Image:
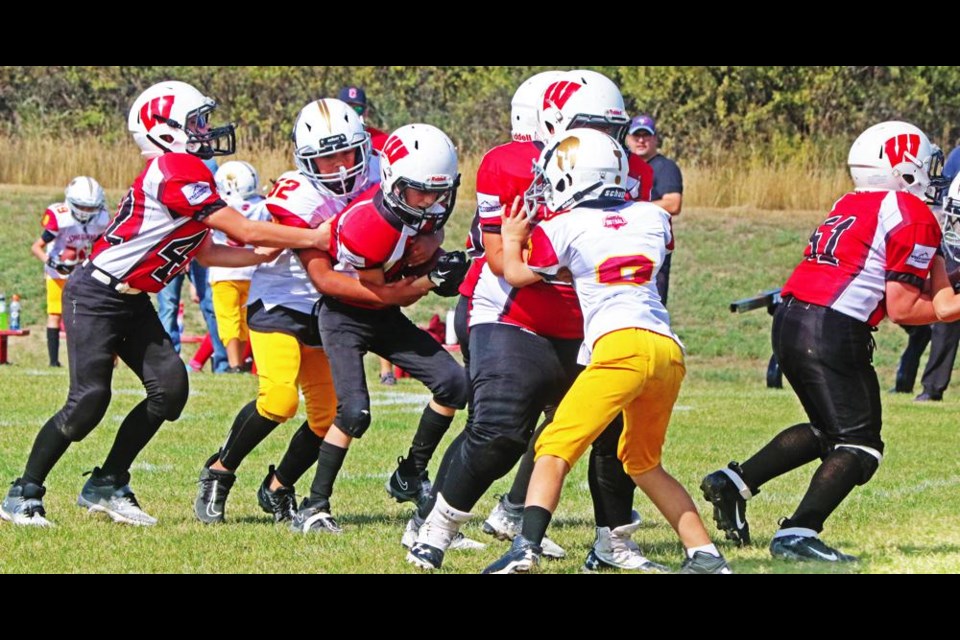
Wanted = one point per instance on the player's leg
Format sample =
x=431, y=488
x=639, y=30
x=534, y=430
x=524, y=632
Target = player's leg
x=54, y=316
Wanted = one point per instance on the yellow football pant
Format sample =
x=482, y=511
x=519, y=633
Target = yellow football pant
x=230, y=307
x=635, y=371
x=283, y=364
x=55, y=296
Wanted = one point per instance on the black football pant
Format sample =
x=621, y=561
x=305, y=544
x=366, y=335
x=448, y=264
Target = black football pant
x=100, y=323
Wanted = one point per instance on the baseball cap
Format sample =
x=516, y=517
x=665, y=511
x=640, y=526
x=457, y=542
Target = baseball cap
x=645, y=123
x=353, y=96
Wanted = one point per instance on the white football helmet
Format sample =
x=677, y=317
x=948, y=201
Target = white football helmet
x=237, y=179
x=420, y=156
x=577, y=166
x=525, y=104
x=85, y=198
x=950, y=220
x=895, y=156
x=173, y=117
x=582, y=99
x=325, y=127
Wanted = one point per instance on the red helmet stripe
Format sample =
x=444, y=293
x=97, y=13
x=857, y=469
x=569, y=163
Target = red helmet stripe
x=394, y=149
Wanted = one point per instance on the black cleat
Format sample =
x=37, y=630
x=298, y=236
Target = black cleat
x=424, y=556
x=281, y=504
x=806, y=548
x=703, y=562
x=212, y=496
x=314, y=518
x=408, y=487
x=522, y=557
x=729, y=507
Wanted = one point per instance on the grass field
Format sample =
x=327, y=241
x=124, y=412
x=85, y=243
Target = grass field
x=906, y=520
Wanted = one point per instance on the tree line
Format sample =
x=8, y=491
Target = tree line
x=704, y=113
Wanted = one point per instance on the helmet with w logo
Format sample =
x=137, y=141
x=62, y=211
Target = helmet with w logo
x=582, y=99
x=895, y=156
x=420, y=157
x=173, y=117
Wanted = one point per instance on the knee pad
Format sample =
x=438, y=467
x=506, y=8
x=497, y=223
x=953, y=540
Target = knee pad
x=868, y=457
x=354, y=420
x=167, y=400
x=492, y=455
x=279, y=402
x=76, y=422
x=455, y=390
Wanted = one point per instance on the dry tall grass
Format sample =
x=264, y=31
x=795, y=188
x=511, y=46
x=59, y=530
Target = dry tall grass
x=787, y=185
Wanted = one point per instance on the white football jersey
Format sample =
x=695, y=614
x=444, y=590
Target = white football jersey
x=614, y=255
x=253, y=209
x=69, y=232
x=294, y=201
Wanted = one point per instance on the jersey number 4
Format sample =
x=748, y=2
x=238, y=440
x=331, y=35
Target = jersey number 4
x=824, y=241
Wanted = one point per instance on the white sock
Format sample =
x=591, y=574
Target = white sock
x=442, y=525
x=710, y=549
x=803, y=532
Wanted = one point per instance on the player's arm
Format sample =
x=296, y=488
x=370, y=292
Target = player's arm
x=907, y=304
x=514, y=233
x=267, y=234
x=319, y=266
x=212, y=254
x=672, y=203
x=423, y=248
x=493, y=247
x=946, y=302
x=39, y=248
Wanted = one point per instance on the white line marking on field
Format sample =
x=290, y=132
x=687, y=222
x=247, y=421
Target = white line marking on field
x=920, y=487
x=146, y=466
x=53, y=371
x=398, y=398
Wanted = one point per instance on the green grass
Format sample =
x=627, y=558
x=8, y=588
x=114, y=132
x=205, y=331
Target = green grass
x=906, y=520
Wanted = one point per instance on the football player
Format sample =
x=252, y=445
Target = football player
x=334, y=165
x=417, y=194
x=239, y=184
x=542, y=327
x=162, y=224
x=69, y=230
x=869, y=258
x=613, y=249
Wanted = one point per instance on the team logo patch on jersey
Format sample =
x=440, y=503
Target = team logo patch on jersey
x=196, y=192
x=488, y=205
x=614, y=221
x=921, y=256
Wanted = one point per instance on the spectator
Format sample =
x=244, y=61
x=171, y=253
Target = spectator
x=643, y=141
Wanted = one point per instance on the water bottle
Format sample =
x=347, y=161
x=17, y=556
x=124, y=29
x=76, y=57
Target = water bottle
x=4, y=318
x=15, y=313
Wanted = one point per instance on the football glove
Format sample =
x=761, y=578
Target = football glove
x=62, y=268
x=448, y=273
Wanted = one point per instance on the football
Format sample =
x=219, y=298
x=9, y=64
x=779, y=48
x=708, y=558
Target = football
x=70, y=256
x=423, y=269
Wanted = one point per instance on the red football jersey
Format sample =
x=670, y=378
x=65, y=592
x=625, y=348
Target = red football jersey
x=546, y=309
x=377, y=138
x=639, y=170
x=869, y=238
x=158, y=227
